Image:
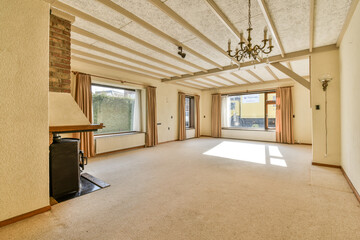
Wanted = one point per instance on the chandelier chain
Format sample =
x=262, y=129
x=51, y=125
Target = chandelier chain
x=249, y=13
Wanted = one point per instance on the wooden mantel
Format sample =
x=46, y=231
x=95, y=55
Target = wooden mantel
x=75, y=128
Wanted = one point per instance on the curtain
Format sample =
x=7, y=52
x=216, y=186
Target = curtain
x=216, y=115
x=284, y=115
x=197, y=120
x=182, y=128
x=137, y=112
x=225, y=113
x=83, y=97
x=151, y=136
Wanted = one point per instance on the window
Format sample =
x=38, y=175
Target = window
x=117, y=108
x=189, y=112
x=249, y=111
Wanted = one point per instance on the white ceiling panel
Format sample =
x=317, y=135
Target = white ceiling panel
x=263, y=73
x=232, y=78
x=152, y=15
x=330, y=16
x=98, y=10
x=243, y=73
x=198, y=83
x=292, y=22
x=110, y=64
x=278, y=73
x=220, y=80
x=140, y=32
x=100, y=54
x=208, y=82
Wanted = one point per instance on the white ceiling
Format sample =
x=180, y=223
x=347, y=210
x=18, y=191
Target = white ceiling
x=291, y=20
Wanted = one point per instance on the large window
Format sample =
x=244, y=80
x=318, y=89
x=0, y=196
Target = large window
x=189, y=112
x=249, y=111
x=117, y=108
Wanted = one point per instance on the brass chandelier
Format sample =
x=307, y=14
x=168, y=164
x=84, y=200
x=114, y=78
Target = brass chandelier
x=243, y=50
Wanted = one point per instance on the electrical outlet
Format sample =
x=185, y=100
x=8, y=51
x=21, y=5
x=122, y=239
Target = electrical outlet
x=168, y=128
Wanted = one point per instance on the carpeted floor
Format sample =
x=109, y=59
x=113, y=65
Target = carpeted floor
x=204, y=189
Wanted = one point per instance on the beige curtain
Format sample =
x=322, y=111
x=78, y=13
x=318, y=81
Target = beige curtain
x=151, y=136
x=216, y=115
x=284, y=116
x=197, y=120
x=182, y=128
x=83, y=98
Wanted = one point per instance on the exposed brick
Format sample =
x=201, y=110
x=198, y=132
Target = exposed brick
x=60, y=55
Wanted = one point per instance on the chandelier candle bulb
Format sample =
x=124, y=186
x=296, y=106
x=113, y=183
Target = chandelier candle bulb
x=229, y=45
x=270, y=41
x=265, y=33
x=241, y=36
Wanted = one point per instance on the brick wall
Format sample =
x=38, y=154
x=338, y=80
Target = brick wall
x=60, y=55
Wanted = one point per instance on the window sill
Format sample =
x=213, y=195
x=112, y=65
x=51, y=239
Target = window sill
x=252, y=130
x=190, y=128
x=116, y=134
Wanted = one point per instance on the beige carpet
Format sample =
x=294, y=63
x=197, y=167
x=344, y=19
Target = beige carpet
x=236, y=190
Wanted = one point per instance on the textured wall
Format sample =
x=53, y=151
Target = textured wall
x=326, y=63
x=60, y=54
x=24, y=80
x=350, y=110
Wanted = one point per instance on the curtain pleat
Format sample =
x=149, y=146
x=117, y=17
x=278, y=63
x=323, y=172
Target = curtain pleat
x=83, y=97
x=182, y=127
x=284, y=116
x=151, y=136
x=197, y=120
x=216, y=115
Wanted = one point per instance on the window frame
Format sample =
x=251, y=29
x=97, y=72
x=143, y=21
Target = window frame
x=191, y=112
x=113, y=133
x=266, y=103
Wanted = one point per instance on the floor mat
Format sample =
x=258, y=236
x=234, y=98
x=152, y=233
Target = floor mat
x=88, y=184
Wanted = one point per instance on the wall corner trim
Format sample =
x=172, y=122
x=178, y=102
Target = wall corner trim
x=24, y=216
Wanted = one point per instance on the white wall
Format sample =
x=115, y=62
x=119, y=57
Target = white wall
x=302, y=112
x=350, y=110
x=116, y=142
x=326, y=63
x=24, y=80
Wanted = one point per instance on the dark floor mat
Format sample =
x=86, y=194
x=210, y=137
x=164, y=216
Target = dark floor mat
x=95, y=180
x=85, y=187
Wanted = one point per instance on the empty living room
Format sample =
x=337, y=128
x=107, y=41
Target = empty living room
x=179, y=119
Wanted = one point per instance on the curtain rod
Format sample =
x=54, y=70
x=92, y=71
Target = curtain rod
x=113, y=79
x=252, y=91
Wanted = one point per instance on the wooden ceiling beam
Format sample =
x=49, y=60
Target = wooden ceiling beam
x=163, y=7
x=278, y=58
x=112, y=67
x=101, y=50
x=291, y=74
x=271, y=25
x=156, y=31
x=240, y=77
x=113, y=29
x=288, y=64
x=197, y=85
x=226, y=79
x=208, y=85
x=214, y=81
x=272, y=73
x=184, y=84
x=255, y=75
x=120, y=64
x=119, y=46
x=223, y=18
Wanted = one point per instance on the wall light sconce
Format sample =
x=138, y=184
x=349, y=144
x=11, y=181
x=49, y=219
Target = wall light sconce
x=324, y=80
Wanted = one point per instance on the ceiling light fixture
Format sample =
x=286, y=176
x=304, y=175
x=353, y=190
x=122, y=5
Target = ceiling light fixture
x=243, y=51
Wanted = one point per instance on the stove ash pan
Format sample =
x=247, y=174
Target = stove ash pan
x=65, y=162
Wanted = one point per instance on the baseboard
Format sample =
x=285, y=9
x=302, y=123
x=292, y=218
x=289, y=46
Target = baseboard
x=325, y=165
x=24, y=216
x=168, y=141
x=351, y=185
x=120, y=150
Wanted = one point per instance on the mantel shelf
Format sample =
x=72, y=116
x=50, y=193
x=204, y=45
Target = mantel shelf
x=75, y=128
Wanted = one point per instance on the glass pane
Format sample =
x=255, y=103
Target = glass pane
x=271, y=97
x=187, y=112
x=114, y=107
x=247, y=111
x=271, y=109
